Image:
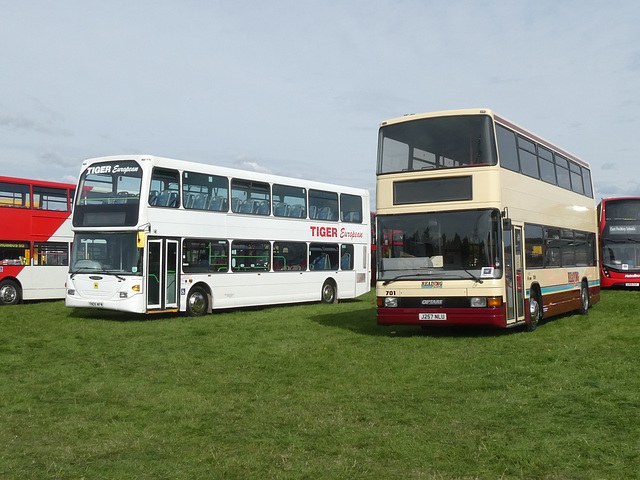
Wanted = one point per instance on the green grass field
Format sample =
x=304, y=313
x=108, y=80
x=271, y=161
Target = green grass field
x=317, y=391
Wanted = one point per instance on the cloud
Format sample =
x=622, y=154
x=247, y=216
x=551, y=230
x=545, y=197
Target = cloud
x=243, y=163
x=69, y=179
x=23, y=123
x=54, y=158
x=610, y=189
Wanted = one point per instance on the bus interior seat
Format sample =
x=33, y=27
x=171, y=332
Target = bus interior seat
x=321, y=262
x=218, y=203
x=247, y=207
x=263, y=208
x=162, y=199
x=352, y=217
x=324, y=213
x=236, y=203
x=281, y=210
x=345, y=264
x=201, y=201
x=297, y=211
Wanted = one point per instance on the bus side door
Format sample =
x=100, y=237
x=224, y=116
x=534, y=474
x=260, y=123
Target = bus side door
x=514, y=287
x=162, y=279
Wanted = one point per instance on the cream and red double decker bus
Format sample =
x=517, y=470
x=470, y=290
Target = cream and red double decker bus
x=35, y=239
x=154, y=235
x=480, y=222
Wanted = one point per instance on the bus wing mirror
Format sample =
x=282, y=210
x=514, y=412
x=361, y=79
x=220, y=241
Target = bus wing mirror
x=506, y=224
x=140, y=239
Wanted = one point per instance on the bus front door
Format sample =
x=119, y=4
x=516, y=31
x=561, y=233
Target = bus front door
x=513, y=276
x=162, y=279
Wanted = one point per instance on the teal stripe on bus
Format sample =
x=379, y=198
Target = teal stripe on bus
x=560, y=288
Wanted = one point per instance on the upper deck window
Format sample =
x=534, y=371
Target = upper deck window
x=48, y=198
x=433, y=143
x=165, y=188
x=14, y=195
x=250, y=197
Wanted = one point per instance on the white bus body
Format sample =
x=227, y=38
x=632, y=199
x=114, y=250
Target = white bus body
x=155, y=234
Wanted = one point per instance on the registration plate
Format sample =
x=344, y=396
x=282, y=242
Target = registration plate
x=632, y=284
x=432, y=316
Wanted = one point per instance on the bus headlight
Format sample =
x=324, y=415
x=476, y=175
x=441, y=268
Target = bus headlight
x=478, y=302
x=71, y=292
x=390, y=302
x=124, y=295
x=481, y=302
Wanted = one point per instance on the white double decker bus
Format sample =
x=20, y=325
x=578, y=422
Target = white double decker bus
x=480, y=221
x=154, y=235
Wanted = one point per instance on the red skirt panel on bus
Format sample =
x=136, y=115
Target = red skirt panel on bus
x=454, y=316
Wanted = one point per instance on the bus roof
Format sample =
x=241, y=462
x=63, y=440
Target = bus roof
x=225, y=171
x=495, y=116
x=27, y=181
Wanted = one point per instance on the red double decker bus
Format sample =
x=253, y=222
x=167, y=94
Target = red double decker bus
x=619, y=228
x=35, y=239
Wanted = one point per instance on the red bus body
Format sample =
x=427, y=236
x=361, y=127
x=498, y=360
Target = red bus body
x=619, y=230
x=35, y=238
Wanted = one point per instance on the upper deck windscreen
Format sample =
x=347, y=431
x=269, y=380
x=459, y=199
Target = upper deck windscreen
x=626, y=210
x=108, y=195
x=439, y=142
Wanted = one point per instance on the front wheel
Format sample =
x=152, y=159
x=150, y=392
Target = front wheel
x=329, y=292
x=584, y=299
x=535, y=313
x=197, y=302
x=10, y=293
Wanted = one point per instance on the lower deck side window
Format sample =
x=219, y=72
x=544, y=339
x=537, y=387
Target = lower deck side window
x=201, y=255
x=51, y=253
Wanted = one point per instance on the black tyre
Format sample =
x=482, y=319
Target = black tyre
x=329, y=292
x=197, y=302
x=585, y=301
x=535, y=312
x=10, y=293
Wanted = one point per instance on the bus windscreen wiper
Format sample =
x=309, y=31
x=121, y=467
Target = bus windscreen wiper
x=477, y=279
x=114, y=273
x=406, y=275
x=80, y=270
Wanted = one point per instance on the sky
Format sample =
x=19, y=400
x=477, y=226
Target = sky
x=299, y=88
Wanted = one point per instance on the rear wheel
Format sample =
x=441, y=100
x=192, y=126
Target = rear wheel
x=10, y=293
x=329, y=292
x=584, y=299
x=197, y=302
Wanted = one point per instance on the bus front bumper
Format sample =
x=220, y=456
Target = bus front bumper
x=490, y=316
x=132, y=305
